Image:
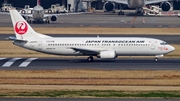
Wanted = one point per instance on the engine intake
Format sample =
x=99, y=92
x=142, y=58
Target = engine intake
x=108, y=54
x=53, y=18
x=166, y=6
x=109, y=6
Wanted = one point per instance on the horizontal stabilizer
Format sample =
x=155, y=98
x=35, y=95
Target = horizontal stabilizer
x=15, y=39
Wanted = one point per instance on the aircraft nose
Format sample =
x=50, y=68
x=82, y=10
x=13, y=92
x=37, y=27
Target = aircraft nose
x=171, y=48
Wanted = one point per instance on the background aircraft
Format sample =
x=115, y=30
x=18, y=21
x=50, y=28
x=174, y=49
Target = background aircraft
x=38, y=15
x=137, y=4
x=100, y=47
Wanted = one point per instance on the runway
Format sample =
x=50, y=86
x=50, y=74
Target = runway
x=84, y=99
x=171, y=39
x=96, y=20
x=103, y=20
x=81, y=63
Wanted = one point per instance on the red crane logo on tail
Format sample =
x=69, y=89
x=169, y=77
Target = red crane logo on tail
x=21, y=27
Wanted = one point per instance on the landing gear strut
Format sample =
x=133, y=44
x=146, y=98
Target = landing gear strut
x=46, y=21
x=120, y=12
x=90, y=59
x=139, y=11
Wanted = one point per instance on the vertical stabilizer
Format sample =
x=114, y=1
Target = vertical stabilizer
x=21, y=28
x=38, y=2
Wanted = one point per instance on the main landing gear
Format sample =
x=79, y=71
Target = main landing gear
x=90, y=59
x=121, y=10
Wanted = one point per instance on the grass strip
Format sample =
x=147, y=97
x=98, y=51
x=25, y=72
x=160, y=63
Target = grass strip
x=90, y=77
x=98, y=30
x=94, y=94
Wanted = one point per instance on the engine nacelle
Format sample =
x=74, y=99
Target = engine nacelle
x=108, y=54
x=23, y=12
x=54, y=18
x=166, y=6
x=109, y=6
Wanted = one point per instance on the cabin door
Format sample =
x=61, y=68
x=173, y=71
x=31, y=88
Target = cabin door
x=39, y=45
x=153, y=46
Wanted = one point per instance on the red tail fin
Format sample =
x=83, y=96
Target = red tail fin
x=38, y=2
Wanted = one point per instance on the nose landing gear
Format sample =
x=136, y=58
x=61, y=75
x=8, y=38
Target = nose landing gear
x=157, y=56
x=156, y=59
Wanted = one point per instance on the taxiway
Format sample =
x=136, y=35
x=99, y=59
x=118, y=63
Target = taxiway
x=103, y=20
x=81, y=63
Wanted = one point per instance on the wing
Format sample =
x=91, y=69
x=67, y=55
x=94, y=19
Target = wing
x=153, y=1
x=119, y=1
x=5, y=13
x=15, y=39
x=27, y=15
x=85, y=51
x=49, y=15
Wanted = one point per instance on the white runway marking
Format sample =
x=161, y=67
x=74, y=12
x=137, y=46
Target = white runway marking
x=2, y=59
x=27, y=62
x=10, y=62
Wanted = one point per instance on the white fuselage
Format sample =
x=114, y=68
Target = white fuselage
x=38, y=13
x=136, y=3
x=123, y=46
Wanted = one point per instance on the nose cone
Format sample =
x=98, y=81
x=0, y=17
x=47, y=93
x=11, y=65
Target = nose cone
x=171, y=48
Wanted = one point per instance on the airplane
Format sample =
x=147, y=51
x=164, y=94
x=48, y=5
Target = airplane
x=38, y=15
x=109, y=5
x=100, y=47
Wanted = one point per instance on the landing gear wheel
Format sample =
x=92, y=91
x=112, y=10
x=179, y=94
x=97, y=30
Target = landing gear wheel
x=156, y=59
x=90, y=59
x=48, y=22
x=45, y=22
x=121, y=13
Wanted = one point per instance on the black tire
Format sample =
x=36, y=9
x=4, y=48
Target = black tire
x=156, y=59
x=23, y=12
x=90, y=59
x=48, y=22
x=120, y=13
x=50, y=11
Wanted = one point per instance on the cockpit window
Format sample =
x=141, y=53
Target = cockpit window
x=163, y=43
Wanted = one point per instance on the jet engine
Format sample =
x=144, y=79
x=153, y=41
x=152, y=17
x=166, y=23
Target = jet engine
x=108, y=54
x=166, y=6
x=54, y=18
x=109, y=6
